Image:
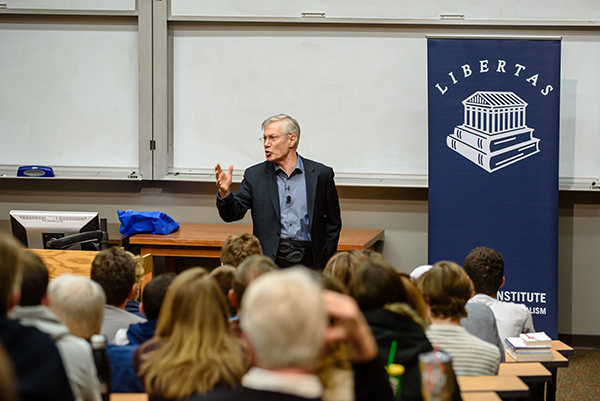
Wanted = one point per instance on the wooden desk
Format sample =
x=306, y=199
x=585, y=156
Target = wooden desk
x=129, y=397
x=534, y=374
x=564, y=349
x=504, y=386
x=557, y=361
x=480, y=396
x=205, y=240
x=61, y=262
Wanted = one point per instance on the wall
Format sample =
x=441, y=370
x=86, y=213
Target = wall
x=401, y=212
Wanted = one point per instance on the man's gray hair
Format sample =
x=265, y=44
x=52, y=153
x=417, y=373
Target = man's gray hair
x=79, y=302
x=284, y=316
x=289, y=126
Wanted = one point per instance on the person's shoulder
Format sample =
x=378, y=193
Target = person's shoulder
x=310, y=164
x=12, y=331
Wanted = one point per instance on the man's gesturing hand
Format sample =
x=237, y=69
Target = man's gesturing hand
x=223, y=179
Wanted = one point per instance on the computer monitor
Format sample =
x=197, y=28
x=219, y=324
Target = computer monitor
x=35, y=228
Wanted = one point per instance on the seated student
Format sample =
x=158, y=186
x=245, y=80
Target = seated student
x=124, y=378
x=485, y=267
x=152, y=300
x=114, y=270
x=250, y=269
x=33, y=311
x=288, y=320
x=36, y=361
x=480, y=320
x=79, y=302
x=193, y=350
x=238, y=247
x=343, y=264
x=391, y=312
x=446, y=289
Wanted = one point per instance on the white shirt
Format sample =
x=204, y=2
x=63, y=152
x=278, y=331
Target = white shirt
x=301, y=385
x=512, y=319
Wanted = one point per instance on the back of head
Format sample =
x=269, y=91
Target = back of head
x=446, y=289
x=79, y=302
x=196, y=349
x=250, y=269
x=238, y=247
x=342, y=265
x=375, y=284
x=139, y=275
x=10, y=266
x=284, y=316
x=485, y=267
x=154, y=294
x=34, y=279
x=114, y=270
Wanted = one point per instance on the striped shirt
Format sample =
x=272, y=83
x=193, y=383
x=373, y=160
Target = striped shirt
x=471, y=356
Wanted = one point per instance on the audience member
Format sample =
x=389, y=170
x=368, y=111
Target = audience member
x=114, y=270
x=224, y=275
x=480, y=320
x=485, y=267
x=238, y=247
x=124, y=378
x=37, y=363
x=133, y=304
x=33, y=310
x=343, y=264
x=253, y=267
x=193, y=350
x=285, y=317
x=79, y=302
x=391, y=311
x=446, y=289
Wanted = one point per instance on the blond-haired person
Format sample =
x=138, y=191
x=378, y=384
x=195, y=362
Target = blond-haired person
x=193, y=350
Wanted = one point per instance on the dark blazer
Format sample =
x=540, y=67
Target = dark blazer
x=258, y=192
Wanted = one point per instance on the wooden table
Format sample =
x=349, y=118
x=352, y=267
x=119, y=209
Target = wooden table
x=564, y=349
x=129, y=397
x=534, y=374
x=205, y=240
x=59, y=261
x=506, y=387
x=480, y=396
x=557, y=361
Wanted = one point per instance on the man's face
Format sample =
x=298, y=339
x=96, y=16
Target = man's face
x=277, y=145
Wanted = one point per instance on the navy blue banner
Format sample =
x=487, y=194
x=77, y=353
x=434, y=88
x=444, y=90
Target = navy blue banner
x=493, y=162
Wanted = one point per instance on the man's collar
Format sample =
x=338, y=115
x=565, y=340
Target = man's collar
x=301, y=385
x=299, y=166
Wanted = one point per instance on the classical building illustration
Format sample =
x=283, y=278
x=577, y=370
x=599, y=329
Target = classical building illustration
x=495, y=132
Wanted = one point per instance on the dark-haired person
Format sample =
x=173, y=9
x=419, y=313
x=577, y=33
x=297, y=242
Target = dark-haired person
x=33, y=310
x=37, y=363
x=391, y=311
x=124, y=378
x=446, y=289
x=114, y=270
x=485, y=267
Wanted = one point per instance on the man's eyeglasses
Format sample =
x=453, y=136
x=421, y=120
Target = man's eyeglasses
x=271, y=138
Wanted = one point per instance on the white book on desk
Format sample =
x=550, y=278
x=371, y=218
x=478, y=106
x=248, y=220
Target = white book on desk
x=536, y=339
x=535, y=356
x=518, y=345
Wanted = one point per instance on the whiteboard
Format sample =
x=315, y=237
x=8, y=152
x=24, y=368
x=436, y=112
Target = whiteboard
x=358, y=96
x=405, y=9
x=69, y=95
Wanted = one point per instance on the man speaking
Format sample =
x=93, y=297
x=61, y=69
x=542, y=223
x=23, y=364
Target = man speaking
x=294, y=202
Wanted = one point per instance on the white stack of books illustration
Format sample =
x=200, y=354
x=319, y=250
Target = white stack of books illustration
x=494, y=134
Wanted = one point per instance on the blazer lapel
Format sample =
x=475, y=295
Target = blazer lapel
x=272, y=188
x=311, y=188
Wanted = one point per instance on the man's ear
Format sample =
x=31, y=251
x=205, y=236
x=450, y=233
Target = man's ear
x=142, y=310
x=503, y=280
x=45, y=300
x=14, y=298
x=232, y=300
x=130, y=296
